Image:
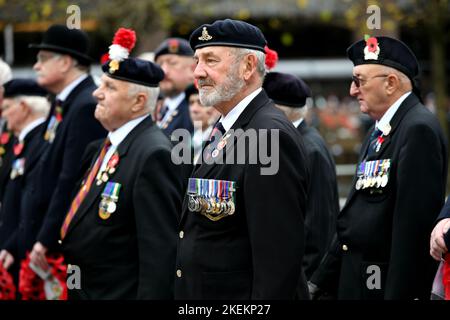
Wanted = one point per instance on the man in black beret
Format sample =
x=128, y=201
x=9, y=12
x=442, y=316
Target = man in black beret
x=121, y=227
x=62, y=68
x=25, y=107
x=289, y=93
x=241, y=234
x=381, y=247
x=174, y=56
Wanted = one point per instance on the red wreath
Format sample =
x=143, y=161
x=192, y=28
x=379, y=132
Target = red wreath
x=125, y=38
x=31, y=286
x=446, y=276
x=7, y=287
x=271, y=58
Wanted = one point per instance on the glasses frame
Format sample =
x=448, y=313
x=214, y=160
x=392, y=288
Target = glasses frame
x=361, y=82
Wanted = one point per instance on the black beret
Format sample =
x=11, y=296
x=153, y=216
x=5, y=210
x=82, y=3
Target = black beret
x=60, y=39
x=229, y=33
x=385, y=51
x=135, y=70
x=286, y=89
x=23, y=87
x=190, y=90
x=176, y=46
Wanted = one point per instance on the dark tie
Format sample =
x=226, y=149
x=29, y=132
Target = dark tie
x=373, y=142
x=163, y=112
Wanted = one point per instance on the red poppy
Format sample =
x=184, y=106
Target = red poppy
x=18, y=149
x=4, y=138
x=112, y=163
x=271, y=58
x=372, y=44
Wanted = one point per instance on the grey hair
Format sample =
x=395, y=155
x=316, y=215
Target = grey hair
x=404, y=80
x=151, y=92
x=294, y=114
x=5, y=72
x=260, y=56
x=40, y=106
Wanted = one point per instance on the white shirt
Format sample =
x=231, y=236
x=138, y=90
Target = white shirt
x=30, y=127
x=68, y=89
x=296, y=123
x=198, y=138
x=234, y=114
x=389, y=114
x=172, y=105
x=117, y=136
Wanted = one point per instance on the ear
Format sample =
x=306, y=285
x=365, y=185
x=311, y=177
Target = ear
x=67, y=63
x=25, y=110
x=392, y=83
x=139, y=102
x=250, y=62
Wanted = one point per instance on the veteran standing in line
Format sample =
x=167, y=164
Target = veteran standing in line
x=241, y=234
x=289, y=93
x=381, y=247
x=120, y=229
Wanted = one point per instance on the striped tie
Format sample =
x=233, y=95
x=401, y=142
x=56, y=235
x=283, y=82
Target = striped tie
x=84, y=188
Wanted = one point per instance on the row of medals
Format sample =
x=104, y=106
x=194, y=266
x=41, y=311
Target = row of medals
x=209, y=207
x=365, y=182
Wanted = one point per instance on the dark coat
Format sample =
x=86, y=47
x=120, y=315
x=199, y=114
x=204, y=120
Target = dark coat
x=5, y=163
x=256, y=253
x=385, y=232
x=48, y=198
x=130, y=255
x=323, y=198
x=180, y=119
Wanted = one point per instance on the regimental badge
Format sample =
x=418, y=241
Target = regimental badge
x=173, y=45
x=53, y=124
x=371, y=50
x=110, y=197
x=17, y=168
x=113, y=66
x=373, y=174
x=205, y=36
x=214, y=199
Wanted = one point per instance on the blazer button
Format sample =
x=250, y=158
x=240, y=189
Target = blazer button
x=344, y=247
x=179, y=273
x=181, y=234
x=59, y=241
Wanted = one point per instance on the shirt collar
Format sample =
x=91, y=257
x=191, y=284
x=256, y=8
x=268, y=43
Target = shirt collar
x=117, y=136
x=296, y=123
x=68, y=89
x=389, y=114
x=229, y=120
x=28, y=128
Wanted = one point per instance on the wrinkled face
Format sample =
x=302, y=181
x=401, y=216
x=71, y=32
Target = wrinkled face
x=371, y=93
x=113, y=103
x=218, y=75
x=178, y=73
x=48, y=69
x=15, y=114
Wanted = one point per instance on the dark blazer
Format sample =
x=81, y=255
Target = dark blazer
x=385, y=232
x=323, y=199
x=5, y=163
x=10, y=209
x=48, y=198
x=181, y=119
x=256, y=253
x=130, y=255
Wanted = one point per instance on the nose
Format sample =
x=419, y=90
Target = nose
x=354, y=90
x=37, y=66
x=199, y=71
x=97, y=94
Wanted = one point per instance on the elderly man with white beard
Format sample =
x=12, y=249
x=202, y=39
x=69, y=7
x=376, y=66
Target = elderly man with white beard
x=241, y=234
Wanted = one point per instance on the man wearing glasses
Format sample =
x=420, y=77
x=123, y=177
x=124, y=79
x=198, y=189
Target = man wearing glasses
x=381, y=249
x=62, y=68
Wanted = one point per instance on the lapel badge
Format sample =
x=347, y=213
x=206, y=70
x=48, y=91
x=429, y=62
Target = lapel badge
x=110, y=196
x=371, y=50
x=205, y=36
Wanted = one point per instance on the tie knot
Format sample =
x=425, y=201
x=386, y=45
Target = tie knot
x=107, y=143
x=218, y=128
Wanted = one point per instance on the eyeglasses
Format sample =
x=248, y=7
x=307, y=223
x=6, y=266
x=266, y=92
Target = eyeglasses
x=43, y=57
x=361, y=82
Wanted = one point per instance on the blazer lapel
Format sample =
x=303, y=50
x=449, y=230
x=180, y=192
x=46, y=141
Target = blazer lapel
x=96, y=190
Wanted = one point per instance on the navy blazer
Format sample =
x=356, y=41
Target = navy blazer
x=48, y=198
x=179, y=119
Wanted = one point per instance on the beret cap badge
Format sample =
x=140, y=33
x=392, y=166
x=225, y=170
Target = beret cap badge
x=371, y=50
x=205, y=35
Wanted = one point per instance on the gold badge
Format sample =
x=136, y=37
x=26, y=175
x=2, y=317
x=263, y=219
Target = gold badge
x=205, y=36
x=113, y=66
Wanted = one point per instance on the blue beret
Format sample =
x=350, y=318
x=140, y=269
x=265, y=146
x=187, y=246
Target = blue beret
x=229, y=33
x=176, y=46
x=385, y=51
x=286, y=89
x=137, y=71
x=23, y=87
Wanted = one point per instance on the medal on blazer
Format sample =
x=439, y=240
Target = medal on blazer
x=213, y=199
x=53, y=124
x=373, y=174
x=104, y=176
x=17, y=168
x=110, y=196
x=222, y=143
